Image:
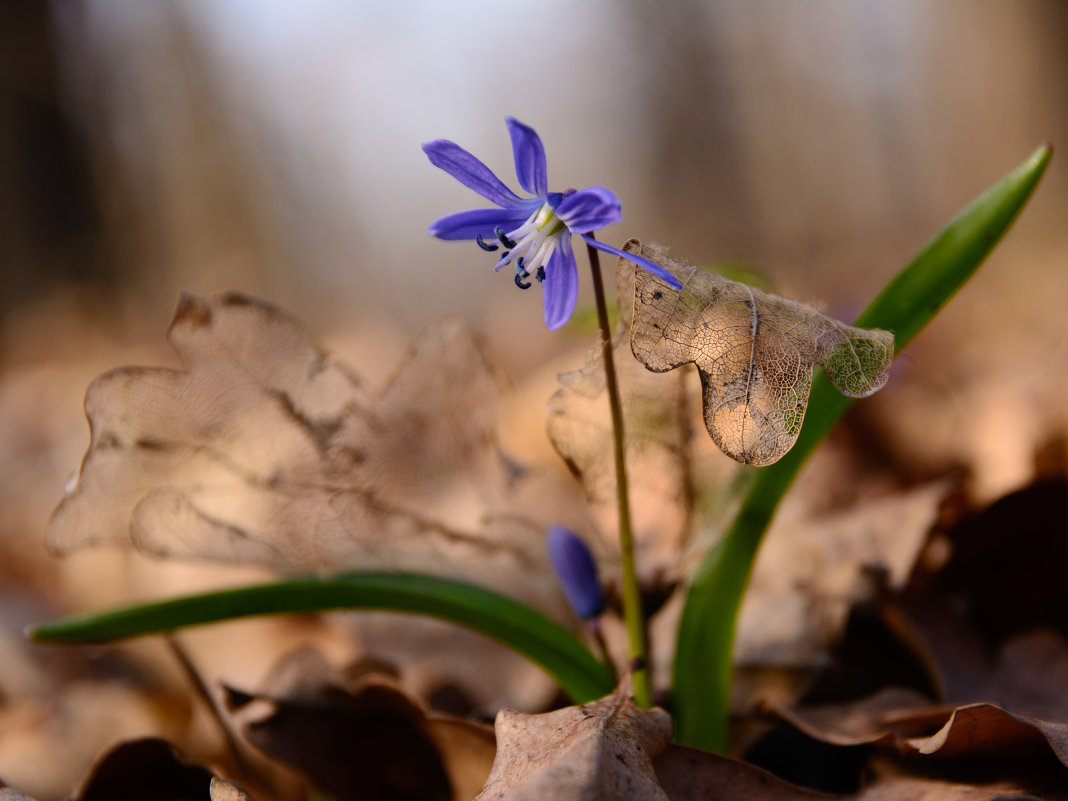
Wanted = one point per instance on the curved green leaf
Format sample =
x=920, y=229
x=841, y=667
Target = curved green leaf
x=704, y=652
x=519, y=627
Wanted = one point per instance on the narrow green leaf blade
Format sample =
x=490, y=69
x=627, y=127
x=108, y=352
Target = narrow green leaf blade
x=515, y=625
x=704, y=652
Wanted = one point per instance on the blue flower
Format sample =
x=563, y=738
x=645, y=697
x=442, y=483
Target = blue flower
x=576, y=571
x=535, y=232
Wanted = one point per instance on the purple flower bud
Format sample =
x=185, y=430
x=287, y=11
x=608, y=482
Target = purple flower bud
x=576, y=571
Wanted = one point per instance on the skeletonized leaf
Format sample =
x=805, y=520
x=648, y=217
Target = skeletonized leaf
x=755, y=353
x=264, y=450
x=599, y=750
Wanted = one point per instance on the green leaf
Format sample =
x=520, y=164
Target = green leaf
x=519, y=627
x=704, y=652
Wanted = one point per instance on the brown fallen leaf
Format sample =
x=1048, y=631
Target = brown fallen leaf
x=50, y=734
x=985, y=729
x=360, y=735
x=599, y=750
x=1030, y=675
x=985, y=587
x=264, y=450
x=893, y=780
x=976, y=742
x=467, y=749
x=755, y=353
x=812, y=572
x=1006, y=562
x=148, y=770
x=861, y=722
x=688, y=774
x=223, y=790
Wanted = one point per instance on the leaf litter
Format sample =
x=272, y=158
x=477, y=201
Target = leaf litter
x=994, y=710
x=603, y=749
x=264, y=450
x=356, y=733
x=889, y=776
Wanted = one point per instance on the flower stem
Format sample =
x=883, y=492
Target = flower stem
x=632, y=601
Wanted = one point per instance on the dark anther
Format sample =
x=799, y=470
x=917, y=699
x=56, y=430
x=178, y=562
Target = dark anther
x=487, y=246
x=540, y=274
x=521, y=274
x=503, y=238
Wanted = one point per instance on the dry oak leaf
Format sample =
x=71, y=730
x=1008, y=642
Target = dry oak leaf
x=1024, y=751
x=755, y=353
x=223, y=790
x=600, y=750
x=150, y=769
x=357, y=734
x=688, y=774
x=986, y=729
x=264, y=450
x=865, y=721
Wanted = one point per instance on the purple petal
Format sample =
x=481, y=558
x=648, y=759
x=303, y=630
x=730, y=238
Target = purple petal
x=469, y=224
x=651, y=266
x=469, y=171
x=577, y=572
x=530, y=166
x=560, y=286
x=589, y=209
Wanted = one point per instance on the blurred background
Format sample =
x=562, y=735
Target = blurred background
x=273, y=148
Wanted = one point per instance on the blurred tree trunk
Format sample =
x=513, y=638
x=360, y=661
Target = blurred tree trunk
x=50, y=220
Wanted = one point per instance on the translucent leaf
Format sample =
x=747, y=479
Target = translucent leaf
x=264, y=450
x=656, y=414
x=755, y=353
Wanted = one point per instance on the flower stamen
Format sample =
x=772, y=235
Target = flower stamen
x=489, y=247
x=502, y=237
x=532, y=244
x=521, y=275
